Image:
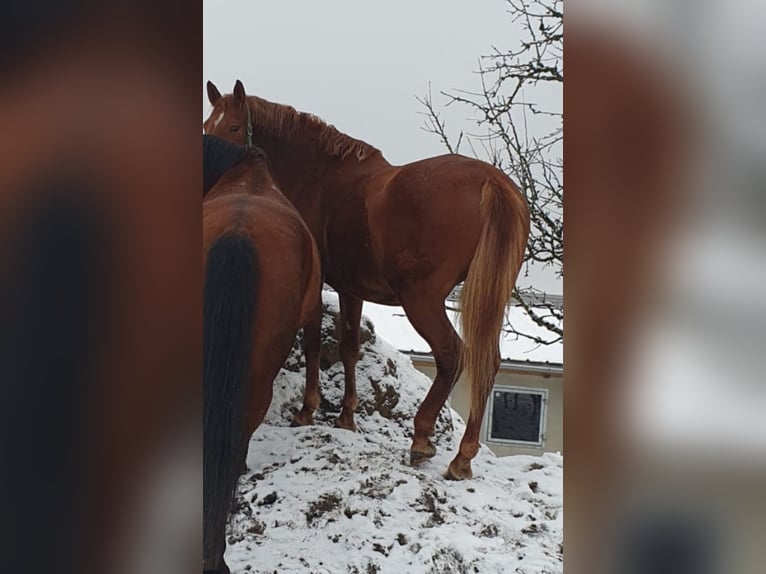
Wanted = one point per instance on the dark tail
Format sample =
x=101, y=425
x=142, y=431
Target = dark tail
x=231, y=282
x=51, y=285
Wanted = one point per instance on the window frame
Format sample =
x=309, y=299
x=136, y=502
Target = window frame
x=543, y=415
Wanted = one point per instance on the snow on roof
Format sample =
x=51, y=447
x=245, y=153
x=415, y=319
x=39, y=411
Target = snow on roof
x=391, y=324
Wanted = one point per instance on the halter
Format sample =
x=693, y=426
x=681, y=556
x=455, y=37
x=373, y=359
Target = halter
x=249, y=129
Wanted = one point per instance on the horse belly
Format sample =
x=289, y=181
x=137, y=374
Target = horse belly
x=351, y=262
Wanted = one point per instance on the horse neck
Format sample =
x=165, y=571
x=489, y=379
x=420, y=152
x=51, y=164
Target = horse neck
x=302, y=169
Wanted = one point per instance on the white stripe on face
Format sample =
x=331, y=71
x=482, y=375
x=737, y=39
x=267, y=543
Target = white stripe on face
x=218, y=120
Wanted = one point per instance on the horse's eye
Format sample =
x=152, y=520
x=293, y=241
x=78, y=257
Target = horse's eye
x=234, y=129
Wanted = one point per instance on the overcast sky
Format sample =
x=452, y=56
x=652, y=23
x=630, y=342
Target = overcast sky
x=358, y=65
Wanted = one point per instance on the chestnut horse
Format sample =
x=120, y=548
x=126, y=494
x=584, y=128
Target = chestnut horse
x=397, y=235
x=262, y=284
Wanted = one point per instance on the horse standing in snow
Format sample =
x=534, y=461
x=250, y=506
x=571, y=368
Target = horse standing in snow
x=396, y=235
x=262, y=284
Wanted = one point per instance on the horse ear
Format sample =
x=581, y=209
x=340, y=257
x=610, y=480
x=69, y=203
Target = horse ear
x=212, y=93
x=239, y=92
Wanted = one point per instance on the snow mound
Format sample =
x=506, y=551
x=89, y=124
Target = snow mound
x=325, y=500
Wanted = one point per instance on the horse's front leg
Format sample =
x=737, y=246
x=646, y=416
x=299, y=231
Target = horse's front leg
x=311, y=347
x=350, y=317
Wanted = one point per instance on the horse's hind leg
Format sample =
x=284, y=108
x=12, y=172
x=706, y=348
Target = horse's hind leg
x=430, y=320
x=311, y=347
x=350, y=317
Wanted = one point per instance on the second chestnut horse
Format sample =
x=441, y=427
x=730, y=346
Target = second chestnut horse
x=262, y=284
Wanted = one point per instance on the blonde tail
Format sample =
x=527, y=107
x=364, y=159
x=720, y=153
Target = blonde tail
x=489, y=285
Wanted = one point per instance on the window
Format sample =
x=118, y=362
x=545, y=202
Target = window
x=517, y=415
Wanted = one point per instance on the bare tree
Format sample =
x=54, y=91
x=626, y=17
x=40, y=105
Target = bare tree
x=522, y=137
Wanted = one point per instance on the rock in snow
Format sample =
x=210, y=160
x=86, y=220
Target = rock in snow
x=325, y=500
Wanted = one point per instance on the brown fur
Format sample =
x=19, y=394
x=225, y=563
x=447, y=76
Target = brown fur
x=399, y=235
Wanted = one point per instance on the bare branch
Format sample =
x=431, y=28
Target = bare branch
x=519, y=136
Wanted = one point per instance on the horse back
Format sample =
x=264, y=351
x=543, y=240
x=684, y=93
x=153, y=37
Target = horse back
x=413, y=224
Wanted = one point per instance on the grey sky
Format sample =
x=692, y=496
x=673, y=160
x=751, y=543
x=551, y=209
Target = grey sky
x=358, y=65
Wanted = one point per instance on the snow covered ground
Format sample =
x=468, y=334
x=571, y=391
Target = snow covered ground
x=325, y=500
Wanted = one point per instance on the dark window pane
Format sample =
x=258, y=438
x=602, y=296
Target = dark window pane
x=516, y=416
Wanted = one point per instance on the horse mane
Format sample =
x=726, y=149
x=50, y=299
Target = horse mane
x=285, y=121
x=218, y=157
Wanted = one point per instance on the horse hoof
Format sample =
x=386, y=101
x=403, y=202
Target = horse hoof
x=417, y=458
x=301, y=420
x=348, y=425
x=459, y=471
x=421, y=454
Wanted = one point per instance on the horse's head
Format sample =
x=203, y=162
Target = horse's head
x=231, y=117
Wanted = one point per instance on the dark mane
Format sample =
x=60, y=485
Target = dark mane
x=218, y=157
